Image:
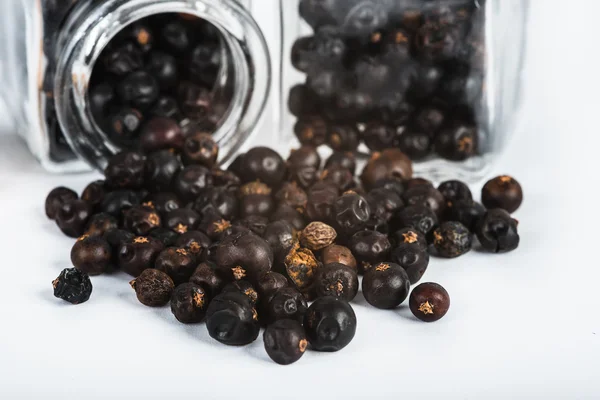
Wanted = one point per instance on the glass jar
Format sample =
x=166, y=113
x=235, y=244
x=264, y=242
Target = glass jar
x=51, y=51
x=438, y=79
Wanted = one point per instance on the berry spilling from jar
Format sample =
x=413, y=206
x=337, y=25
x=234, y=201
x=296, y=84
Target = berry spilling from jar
x=390, y=74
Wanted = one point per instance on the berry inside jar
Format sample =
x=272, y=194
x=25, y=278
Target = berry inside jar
x=156, y=83
x=380, y=74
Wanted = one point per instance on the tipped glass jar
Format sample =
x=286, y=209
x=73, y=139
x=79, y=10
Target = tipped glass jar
x=438, y=79
x=82, y=79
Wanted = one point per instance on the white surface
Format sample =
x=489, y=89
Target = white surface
x=521, y=325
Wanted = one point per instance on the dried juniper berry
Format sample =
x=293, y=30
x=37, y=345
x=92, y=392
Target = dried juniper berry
x=437, y=42
x=195, y=242
x=414, y=182
x=352, y=212
x=344, y=159
x=153, y=288
x=166, y=236
x=92, y=255
x=286, y=303
x=497, y=231
x=101, y=97
x=336, y=280
x=369, y=248
x=454, y=191
x=303, y=165
x=166, y=107
x=243, y=255
x=409, y=235
x=338, y=254
x=116, y=202
x=269, y=284
x=160, y=170
x=390, y=163
x=415, y=144
x=163, y=67
x=394, y=184
x=317, y=235
x=254, y=223
x=502, y=192
x=101, y=223
x=263, y=164
x=285, y=341
x=343, y=137
x=161, y=133
x=189, y=303
x=115, y=238
x=386, y=285
x=321, y=202
x=141, y=220
x=176, y=262
x=339, y=177
x=163, y=202
x=181, y=220
x=419, y=217
x=225, y=179
x=139, y=88
x=424, y=195
x=280, y=235
x=429, y=119
x=219, y=199
x=200, y=148
x=123, y=59
x=192, y=181
x=72, y=217
x=124, y=125
x=413, y=258
x=205, y=276
x=378, y=136
x=231, y=319
x=256, y=199
x=72, y=285
x=451, y=239
x=138, y=254
x=330, y=324
x=301, y=266
x=56, y=198
x=457, y=142
x=291, y=215
x=384, y=203
x=175, y=35
x=429, y=302
x=467, y=212
x=94, y=194
x=125, y=170
x=292, y=195
x=301, y=101
x=243, y=287
x=312, y=130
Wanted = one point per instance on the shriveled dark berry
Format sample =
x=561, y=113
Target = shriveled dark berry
x=175, y=36
x=497, y=231
x=101, y=96
x=163, y=202
x=378, y=136
x=139, y=254
x=429, y=119
x=280, y=235
x=413, y=258
x=386, y=285
x=166, y=236
x=343, y=137
x=243, y=255
x=394, y=184
x=200, y=148
x=285, y=341
x=384, y=203
x=414, y=182
x=153, y=288
x=301, y=265
x=330, y=324
x=125, y=170
x=225, y=179
x=344, y=159
x=94, y=194
x=415, y=144
x=189, y=303
x=352, y=212
x=457, y=143
x=269, y=284
x=92, y=255
x=123, y=59
x=181, y=220
x=196, y=101
x=291, y=215
x=176, y=262
x=206, y=277
x=317, y=235
x=56, y=198
x=255, y=223
x=256, y=199
x=369, y=248
x=336, y=280
x=161, y=133
x=72, y=285
x=437, y=42
x=231, y=319
x=72, y=217
x=467, y=212
x=301, y=101
x=321, y=201
x=101, y=223
x=286, y=303
x=141, y=220
x=339, y=177
x=452, y=239
x=419, y=217
x=263, y=164
x=221, y=200
x=166, y=107
x=424, y=195
x=303, y=166
x=163, y=67
x=124, y=125
x=192, y=181
x=160, y=170
x=409, y=235
x=502, y=192
x=429, y=302
x=243, y=287
x=390, y=163
x=292, y=195
x=454, y=191
x=338, y=254
x=139, y=89
x=115, y=238
x=195, y=241
x=312, y=130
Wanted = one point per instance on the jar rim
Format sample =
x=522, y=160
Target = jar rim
x=91, y=27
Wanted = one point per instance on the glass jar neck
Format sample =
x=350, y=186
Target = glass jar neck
x=91, y=26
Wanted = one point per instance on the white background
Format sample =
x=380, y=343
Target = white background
x=521, y=325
